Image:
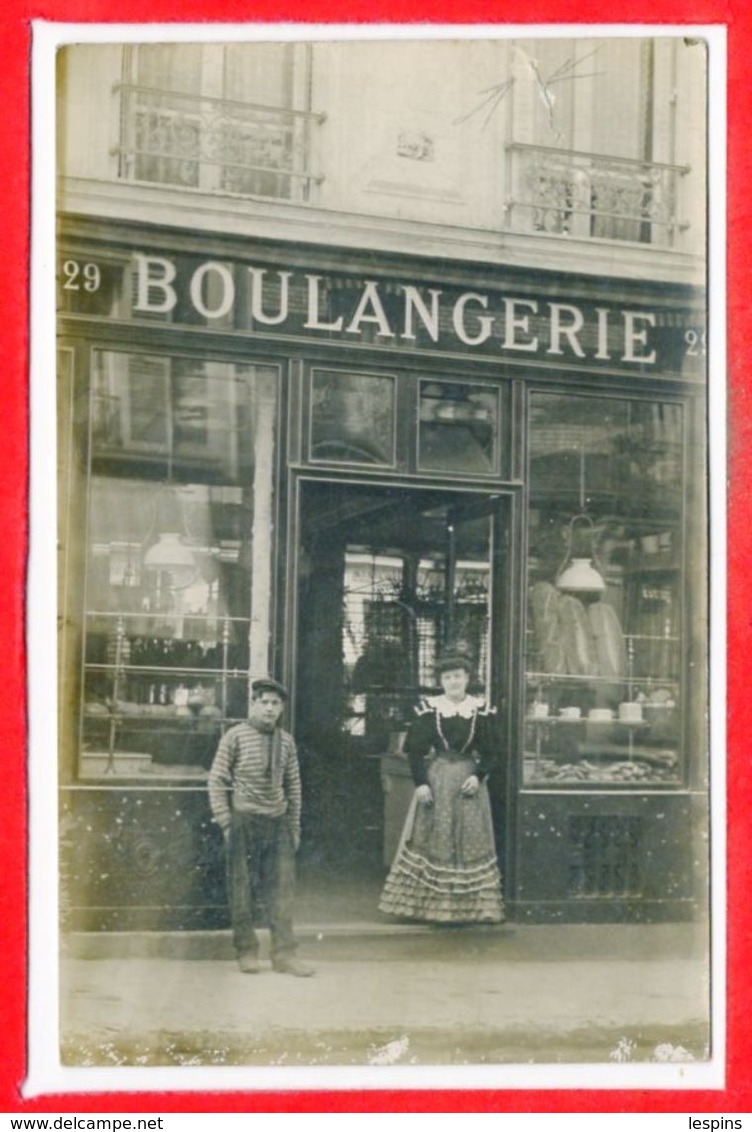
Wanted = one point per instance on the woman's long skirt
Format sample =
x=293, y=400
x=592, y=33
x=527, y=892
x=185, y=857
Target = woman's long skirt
x=446, y=870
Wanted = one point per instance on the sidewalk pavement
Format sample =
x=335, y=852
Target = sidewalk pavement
x=391, y=995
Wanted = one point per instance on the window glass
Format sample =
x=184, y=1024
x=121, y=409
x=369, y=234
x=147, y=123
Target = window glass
x=166, y=130
x=604, y=630
x=352, y=417
x=172, y=416
x=214, y=117
x=622, y=125
x=260, y=73
x=537, y=64
x=180, y=470
x=583, y=159
x=459, y=428
x=551, y=74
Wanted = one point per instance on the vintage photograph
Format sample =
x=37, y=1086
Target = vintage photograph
x=382, y=504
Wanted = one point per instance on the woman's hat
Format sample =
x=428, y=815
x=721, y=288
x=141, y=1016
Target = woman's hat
x=455, y=657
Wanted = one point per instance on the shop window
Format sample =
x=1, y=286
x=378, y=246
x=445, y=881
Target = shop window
x=227, y=118
x=177, y=563
x=458, y=428
x=604, y=652
x=591, y=149
x=352, y=418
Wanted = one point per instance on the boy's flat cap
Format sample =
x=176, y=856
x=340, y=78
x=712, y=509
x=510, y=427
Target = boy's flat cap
x=268, y=684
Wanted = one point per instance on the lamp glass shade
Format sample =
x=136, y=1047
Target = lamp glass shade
x=580, y=576
x=170, y=554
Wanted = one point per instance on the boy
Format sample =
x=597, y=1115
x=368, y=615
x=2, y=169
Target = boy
x=255, y=797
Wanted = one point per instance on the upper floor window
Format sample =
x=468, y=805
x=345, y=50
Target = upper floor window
x=229, y=118
x=592, y=147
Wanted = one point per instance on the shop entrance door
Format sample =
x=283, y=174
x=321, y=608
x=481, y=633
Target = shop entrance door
x=386, y=577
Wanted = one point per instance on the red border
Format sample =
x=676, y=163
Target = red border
x=15, y=159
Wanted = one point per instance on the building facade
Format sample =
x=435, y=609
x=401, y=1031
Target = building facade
x=365, y=347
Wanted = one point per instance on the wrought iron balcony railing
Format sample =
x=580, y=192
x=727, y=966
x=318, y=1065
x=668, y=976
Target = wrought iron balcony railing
x=218, y=145
x=588, y=195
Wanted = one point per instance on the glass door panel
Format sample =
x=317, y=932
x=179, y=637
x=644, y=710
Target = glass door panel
x=388, y=576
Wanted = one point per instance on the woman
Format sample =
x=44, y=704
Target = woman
x=445, y=870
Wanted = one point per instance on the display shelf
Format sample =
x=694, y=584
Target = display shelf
x=533, y=677
x=164, y=617
x=659, y=566
x=168, y=716
x=190, y=689
x=138, y=766
x=656, y=637
x=583, y=719
x=621, y=774
x=166, y=670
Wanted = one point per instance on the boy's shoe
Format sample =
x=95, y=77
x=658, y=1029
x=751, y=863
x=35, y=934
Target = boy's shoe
x=248, y=962
x=293, y=967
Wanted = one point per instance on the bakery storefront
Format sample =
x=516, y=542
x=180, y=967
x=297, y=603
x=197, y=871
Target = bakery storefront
x=326, y=465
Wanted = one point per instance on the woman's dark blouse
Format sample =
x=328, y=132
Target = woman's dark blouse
x=423, y=739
